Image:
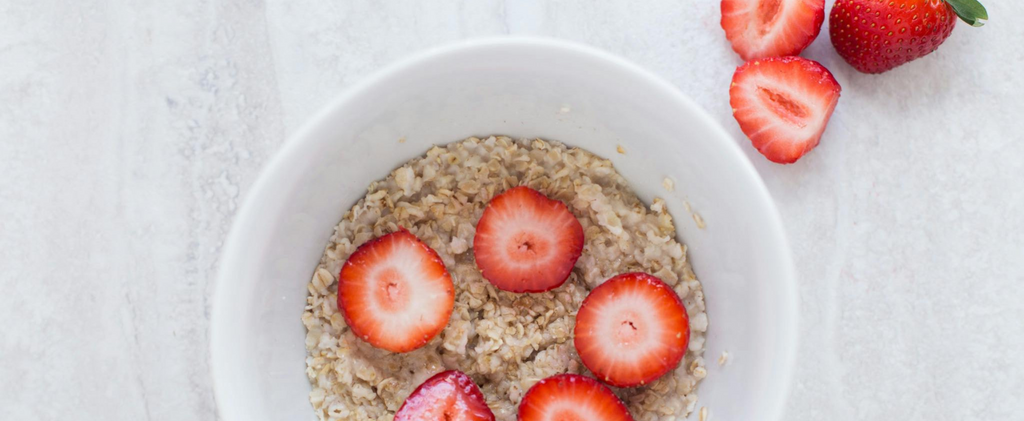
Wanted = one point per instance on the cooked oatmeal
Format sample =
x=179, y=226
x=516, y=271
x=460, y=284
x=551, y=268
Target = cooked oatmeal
x=505, y=341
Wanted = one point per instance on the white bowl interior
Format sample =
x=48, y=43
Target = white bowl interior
x=521, y=88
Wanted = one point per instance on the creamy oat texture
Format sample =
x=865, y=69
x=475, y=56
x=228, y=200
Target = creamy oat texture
x=506, y=342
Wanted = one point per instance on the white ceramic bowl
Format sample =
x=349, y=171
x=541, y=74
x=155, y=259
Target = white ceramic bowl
x=521, y=88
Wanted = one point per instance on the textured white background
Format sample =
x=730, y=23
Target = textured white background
x=130, y=131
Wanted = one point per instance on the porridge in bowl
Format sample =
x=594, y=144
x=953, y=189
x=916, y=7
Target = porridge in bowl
x=504, y=342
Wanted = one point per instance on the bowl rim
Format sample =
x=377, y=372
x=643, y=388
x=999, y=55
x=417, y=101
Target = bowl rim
x=233, y=254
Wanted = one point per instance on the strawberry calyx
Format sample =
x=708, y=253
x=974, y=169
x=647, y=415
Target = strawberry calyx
x=970, y=11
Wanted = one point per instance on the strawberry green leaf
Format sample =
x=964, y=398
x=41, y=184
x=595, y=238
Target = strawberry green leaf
x=970, y=11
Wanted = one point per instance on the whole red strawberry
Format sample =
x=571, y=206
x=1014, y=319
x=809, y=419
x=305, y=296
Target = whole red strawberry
x=875, y=36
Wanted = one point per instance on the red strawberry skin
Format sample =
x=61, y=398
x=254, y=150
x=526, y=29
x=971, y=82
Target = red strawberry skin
x=875, y=36
x=447, y=396
x=395, y=292
x=770, y=28
x=783, y=105
x=526, y=242
x=631, y=330
x=571, y=397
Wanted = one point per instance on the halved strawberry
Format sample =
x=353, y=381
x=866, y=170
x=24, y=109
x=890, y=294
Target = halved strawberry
x=631, y=330
x=769, y=28
x=783, y=105
x=448, y=396
x=526, y=242
x=395, y=292
x=571, y=397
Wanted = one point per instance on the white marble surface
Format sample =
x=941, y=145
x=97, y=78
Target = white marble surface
x=130, y=131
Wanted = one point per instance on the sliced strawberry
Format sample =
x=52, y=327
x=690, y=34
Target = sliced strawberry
x=395, y=292
x=631, y=330
x=783, y=105
x=448, y=396
x=526, y=242
x=769, y=28
x=571, y=397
